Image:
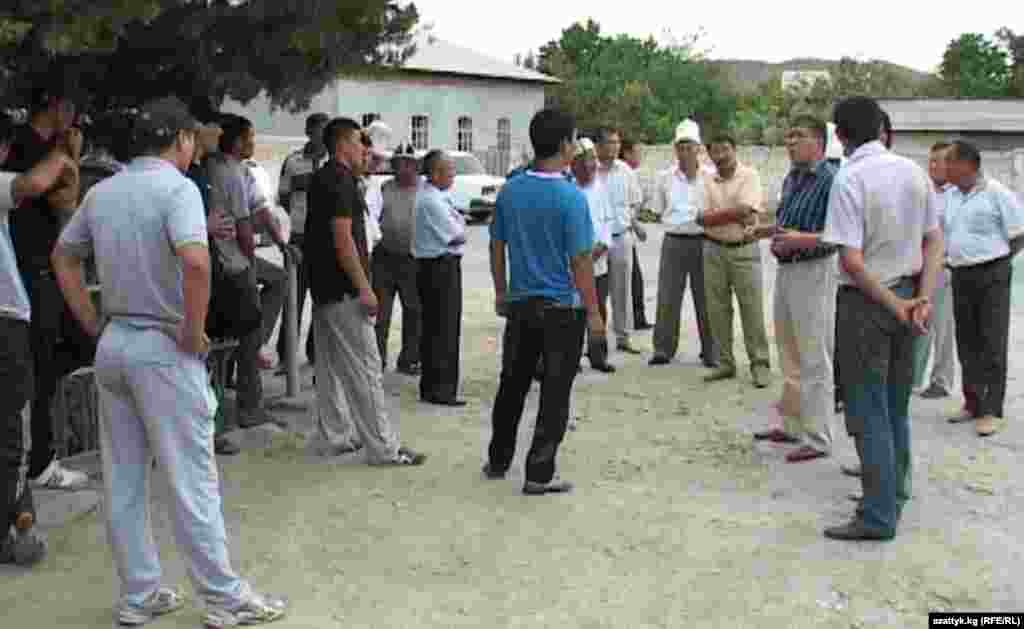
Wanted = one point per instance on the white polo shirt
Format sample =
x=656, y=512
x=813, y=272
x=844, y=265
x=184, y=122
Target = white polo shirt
x=980, y=223
x=14, y=303
x=602, y=218
x=680, y=201
x=882, y=204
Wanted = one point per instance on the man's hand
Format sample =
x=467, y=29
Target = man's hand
x=599, y=251
x=72, y=141
x=787, y=242
x=904, y=308
x=595, y=324
x=220, y=226
x=641, y=233
x=921, y=317
x=368, y=300
x=191, y=340
x=500, y=307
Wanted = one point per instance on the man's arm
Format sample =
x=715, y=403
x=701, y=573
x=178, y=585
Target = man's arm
x=40, y=178
x=498, y=273
x=284, y=186
x=934, y=252
x=246, y=236
x=583, y=276
x=852, y=260
x=67, y=264
x=348, y=254
x=265, y=216
x=195, y=272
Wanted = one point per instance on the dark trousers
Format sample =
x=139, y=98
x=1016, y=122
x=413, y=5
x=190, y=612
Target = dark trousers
x=302, y=282
x=536, y=328
x=639, y=314
x=601, y=284
x=396, y=274
x=981, y=303
x=876, y=352
x=47, y=322
x=273, y=280
x=16, y=383
x=440, y=286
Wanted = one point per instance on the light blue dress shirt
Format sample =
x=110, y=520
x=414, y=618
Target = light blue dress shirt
x=980, y=223
x=440, y=228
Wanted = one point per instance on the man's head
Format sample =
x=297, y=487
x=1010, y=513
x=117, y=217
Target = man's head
x=552, y=133
x=315, y=124
x=806, y=139
x=858, y=121
x=238, y=137
x=629, y=152
x=403, y=162
x=885, y=134
x=687, y=146
x=164, y=128
x=722, y=150
x=53, y=104
x=343, y=138
x=112, y=133
x=937, y=163
x=584, y=162
x=609, y=141
x=963, y=161
x=440, y=169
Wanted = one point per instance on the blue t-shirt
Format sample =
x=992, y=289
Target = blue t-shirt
x=545, y=220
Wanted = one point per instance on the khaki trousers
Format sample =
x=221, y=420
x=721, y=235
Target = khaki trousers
x=350, y=398
x=805, y=324
x=728, y=271
x=620, y=273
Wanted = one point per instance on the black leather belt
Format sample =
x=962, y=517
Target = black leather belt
x=684, y=235
x=727, y=244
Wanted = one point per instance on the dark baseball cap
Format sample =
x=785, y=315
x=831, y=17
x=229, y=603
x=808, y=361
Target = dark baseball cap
x=161, y=120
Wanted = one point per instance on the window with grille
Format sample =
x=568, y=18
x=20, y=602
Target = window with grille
x=420, y=136
x=464, y=141
x=368, y=119
x=504, y=134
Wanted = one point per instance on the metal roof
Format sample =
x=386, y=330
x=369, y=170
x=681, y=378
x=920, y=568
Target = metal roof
x=441, y=57
x=1004, y=115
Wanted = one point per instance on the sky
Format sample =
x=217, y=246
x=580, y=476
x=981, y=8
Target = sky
x=913, y=33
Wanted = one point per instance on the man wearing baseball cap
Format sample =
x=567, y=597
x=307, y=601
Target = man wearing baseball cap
x=146, y=228
x=679, y=197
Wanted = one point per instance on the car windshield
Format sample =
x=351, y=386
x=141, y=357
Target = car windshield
x=468, y=165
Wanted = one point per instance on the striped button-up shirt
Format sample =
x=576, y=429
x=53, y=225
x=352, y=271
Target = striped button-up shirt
x=296, y=175
x=804, y=206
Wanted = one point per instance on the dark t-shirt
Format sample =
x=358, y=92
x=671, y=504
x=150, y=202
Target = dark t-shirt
x=35, y=229
x=333, y=193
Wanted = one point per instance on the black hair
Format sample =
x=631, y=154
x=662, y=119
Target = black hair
x=430, y=159
x=858, y=119
x=56, y=84
x=233, y=127
x=964, y=151
x=939, y=146
x=814, y=124
x=158, y=123
x=723, y=137
x=6, y=128
x=626, y=146
x=604, y=133
x=338, y=127
x=112, y=131
x=549, y=129
x=313, y=120
x=887, y=128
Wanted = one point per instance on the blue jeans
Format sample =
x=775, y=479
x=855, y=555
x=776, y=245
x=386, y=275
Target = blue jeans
x=877, y=368
x=154, y=401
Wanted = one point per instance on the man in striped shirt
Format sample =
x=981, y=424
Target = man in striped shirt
x=805, y=296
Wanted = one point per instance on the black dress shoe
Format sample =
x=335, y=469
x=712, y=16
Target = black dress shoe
x=643, y=326
x=224, y=447
x=603, y=367
x=855, y=530
x=456, y=402
x=658, y=360
x=409, y=370
x=491, y=473
x=554, y=486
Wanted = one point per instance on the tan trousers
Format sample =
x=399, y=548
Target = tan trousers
x=728, y=271
x=620, y=273
x=805, y=324
x=350, y=398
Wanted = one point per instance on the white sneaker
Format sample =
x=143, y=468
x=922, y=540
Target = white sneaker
x=159, y=603
x=56, y=476
x=255, y=609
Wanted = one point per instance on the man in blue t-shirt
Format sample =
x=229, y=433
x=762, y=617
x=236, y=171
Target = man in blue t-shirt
x=543, y=232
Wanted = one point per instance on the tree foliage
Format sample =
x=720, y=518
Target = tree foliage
x=124, y=52
x=975, y=66
x=641, y=86
x=1014, y=44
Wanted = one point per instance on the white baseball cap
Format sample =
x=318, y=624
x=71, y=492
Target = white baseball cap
x=582, y=147
x=687, y=131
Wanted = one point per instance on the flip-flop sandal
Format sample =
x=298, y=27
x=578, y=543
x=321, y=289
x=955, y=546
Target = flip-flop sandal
x=960, y=419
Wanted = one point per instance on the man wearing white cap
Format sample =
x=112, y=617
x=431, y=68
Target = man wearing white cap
x=584, y=169
x=679, y=198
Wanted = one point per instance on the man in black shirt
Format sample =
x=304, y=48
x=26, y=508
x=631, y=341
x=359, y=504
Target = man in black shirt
x=348, y=368
x=34, y=233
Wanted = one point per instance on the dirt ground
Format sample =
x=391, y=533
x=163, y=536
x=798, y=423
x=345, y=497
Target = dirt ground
x=678, y=519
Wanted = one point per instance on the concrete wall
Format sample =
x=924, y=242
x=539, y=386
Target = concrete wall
x=442, y=99
x=773, y=164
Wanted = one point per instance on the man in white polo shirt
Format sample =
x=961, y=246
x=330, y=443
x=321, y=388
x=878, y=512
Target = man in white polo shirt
x=679, y=198
x=984, y=222
x=882, y=215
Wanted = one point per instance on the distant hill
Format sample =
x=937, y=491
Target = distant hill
x=747, y=74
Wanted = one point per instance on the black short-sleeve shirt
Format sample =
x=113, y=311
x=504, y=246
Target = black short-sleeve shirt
x=334, y=192
x=35, y=229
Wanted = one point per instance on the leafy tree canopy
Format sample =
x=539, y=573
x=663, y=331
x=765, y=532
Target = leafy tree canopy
x=975, y=66
x=641, y=86
x=124, y=52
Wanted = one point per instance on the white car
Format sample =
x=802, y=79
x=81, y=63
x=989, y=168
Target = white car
x=474, y=191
